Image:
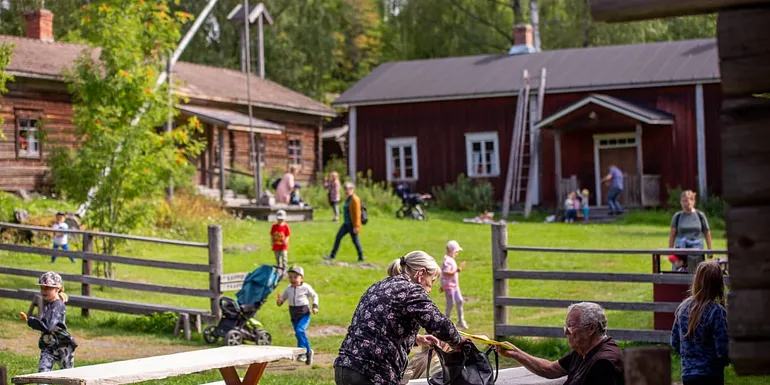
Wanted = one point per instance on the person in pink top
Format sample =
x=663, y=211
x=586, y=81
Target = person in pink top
x=283, y=191
x=450, y=282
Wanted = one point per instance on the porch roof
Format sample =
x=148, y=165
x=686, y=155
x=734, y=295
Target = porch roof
x=231, y=120
x=623, y=107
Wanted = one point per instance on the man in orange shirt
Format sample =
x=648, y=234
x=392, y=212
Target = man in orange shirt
x=351, y=224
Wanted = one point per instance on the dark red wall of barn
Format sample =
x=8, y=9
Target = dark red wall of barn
x=440, y=128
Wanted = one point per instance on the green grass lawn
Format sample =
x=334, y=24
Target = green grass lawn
x=339, y=287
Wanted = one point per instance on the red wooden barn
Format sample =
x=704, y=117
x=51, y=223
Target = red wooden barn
x=288, y=124
x=651, y=109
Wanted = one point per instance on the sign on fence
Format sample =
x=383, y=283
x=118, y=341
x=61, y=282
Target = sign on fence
x=231, y=282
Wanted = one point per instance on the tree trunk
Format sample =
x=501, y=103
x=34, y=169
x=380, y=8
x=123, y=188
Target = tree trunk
x=535, y=20
x=518, y=15
x=587, y=24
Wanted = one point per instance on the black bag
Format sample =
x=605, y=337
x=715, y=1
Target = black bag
x=468, y=366
x=276, y=183
x=364, y=215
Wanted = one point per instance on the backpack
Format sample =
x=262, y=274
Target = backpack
x=276, y=183
x=364, y=215
x=700, y=217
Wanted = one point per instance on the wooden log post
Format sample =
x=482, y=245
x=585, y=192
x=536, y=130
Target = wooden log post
x=85, y=288
x=647, y=366
x=744, y=52
x=500, y=286
x=221, y=144
x=215, y=269
x=3, y=375
x=557, y=172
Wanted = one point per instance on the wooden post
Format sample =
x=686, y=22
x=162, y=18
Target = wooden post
x=221, y=140
x=215, y=268
x=320, y=160
x=85, y=288
x=693, y=261
x=3, y=375
x=640, y=164
x=647, y=366
x=557, y=172
x=500, y=286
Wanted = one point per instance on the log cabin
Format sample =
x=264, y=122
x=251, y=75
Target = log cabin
x=651, y=109
x=287, y=124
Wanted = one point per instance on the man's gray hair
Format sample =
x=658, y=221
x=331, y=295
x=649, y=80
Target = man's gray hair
x=591, y=314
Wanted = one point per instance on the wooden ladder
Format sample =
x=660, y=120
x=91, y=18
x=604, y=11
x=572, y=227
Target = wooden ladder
x=536, y=115
x=515, y=177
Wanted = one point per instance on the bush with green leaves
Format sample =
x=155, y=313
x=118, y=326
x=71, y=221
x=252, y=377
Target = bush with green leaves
x=378, y=197
x=466, y=194
x=713, y=206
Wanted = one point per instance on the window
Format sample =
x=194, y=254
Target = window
x=617, y=142
x=27, y=137
x=295, y=152
x=401, y=154
x=482, y=154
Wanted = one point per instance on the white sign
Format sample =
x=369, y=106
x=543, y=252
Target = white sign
x=235, y=277
x=230, y=286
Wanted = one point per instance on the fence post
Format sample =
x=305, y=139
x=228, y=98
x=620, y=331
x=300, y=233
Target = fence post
x=647, y=366
x=499, y=286
x=3, y=375
x=85, y=288
x=693, y=261
x=215, y=268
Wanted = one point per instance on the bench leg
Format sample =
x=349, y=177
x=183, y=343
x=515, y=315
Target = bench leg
x=37, y=301
x=198, y=323
x=186, y=322
x=254, y=374
x=178, y=325
x=230, y=375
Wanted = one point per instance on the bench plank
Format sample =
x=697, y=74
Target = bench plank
x=160, y=367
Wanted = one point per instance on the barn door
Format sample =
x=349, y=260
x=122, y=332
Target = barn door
x=625, y=159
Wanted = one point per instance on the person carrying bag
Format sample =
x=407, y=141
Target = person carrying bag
x=467, y=366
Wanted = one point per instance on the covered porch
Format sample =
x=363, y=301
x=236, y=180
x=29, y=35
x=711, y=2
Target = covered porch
x=600, y=130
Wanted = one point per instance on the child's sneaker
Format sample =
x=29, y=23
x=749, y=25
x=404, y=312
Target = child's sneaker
x=309, y=358
x=462, y=325
x=302, y=357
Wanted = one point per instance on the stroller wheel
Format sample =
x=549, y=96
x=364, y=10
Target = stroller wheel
x=234, y=338
x=400, y=213
x=210, y=335
x=264, y=338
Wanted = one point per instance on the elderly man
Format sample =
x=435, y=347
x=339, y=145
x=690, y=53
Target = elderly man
x=595, y=360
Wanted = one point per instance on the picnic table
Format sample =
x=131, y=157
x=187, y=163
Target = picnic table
x=226, y=359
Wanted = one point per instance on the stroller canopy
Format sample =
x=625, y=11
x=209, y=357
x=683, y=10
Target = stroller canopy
x=258, y=285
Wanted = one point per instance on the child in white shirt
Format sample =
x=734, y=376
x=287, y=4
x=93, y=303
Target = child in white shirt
x=450, y=282
x=60, y=239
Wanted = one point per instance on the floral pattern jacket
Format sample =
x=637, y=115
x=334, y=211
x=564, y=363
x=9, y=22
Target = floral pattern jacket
x=384, y=328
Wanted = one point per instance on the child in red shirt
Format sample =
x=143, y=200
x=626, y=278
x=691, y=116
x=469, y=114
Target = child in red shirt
x=279, y=234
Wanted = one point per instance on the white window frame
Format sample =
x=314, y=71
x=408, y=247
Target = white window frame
x=601, y=142
x=297, y=160
x=31, y=141
x=482, y=137
x=401, y=143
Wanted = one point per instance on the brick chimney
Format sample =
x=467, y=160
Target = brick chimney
x=39, y=24
x=523, y=40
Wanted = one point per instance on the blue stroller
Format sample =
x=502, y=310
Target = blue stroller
x=411, y=204
x=239, y=322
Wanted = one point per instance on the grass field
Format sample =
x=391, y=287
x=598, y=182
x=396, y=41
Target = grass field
x=340, y=286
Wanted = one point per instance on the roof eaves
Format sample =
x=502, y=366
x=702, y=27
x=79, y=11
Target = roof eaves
x=33, y=75
x=330, y=113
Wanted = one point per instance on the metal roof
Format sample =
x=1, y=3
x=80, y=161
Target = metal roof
x=569, y=70
x=231, y=120
x=338, y=133
x=632, y=110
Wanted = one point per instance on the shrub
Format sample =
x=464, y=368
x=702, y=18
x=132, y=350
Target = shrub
x=714, y=206
x=335, y=164
x=377, y=196
x=240, y=184
x=466, y=195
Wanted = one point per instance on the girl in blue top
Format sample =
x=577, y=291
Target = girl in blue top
x=699, y=334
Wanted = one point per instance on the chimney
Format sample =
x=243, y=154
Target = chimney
x=522, y=40
x=39, y=24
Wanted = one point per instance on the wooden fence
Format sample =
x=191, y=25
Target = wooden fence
x=87, y=255
x=501, y=275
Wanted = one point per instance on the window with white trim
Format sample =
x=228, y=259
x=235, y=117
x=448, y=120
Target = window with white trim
x=295, y=152
x=482, y=151
x=401, y=154
x=27, y=137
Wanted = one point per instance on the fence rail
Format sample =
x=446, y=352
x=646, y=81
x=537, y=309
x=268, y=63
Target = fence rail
x=501, y=274
x=213, y=269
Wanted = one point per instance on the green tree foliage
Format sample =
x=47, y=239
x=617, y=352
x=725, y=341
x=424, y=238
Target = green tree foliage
x=6, y=51
x=65, y=18
x=110, y=91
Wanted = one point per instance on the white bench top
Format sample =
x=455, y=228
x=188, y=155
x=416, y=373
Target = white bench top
x=158, y=367
x=513, y=376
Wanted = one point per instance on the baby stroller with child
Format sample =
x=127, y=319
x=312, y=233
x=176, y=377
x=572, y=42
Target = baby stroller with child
x=239, y=322
x=411, y=204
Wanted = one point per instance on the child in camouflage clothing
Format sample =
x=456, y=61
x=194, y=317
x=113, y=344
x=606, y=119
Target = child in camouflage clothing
x=55, y=343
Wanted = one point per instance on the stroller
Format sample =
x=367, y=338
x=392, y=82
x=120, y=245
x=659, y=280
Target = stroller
x=239, y=322
x=411, y=204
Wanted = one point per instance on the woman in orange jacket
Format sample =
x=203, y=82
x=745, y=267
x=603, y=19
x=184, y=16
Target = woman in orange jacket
x=352, y=223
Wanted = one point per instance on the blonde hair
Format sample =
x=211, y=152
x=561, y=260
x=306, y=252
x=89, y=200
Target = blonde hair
x=349, y=185
x=293, y=168
x=335, y=176
x=412, y=263
x=689, y=194
x=62, y=296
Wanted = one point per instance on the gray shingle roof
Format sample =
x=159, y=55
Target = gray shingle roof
x=632, y=110
x=231, y=120
x=594, y=68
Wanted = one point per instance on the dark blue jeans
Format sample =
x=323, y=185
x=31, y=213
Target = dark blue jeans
x=612, y=200
x=344, y=230
x=347, y=376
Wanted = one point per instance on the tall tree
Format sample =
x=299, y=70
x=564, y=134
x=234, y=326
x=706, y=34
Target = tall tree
x=117, y=112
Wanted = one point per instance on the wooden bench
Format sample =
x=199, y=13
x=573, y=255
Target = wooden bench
x=226, y=359
x=267, y=213
x=183, y=320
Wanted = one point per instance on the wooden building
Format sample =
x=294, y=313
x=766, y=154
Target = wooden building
x=288, y=124
x=650, y=108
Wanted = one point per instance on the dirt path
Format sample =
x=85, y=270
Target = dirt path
x=17, y=338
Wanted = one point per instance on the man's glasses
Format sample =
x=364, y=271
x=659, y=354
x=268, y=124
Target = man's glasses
x=569, y=330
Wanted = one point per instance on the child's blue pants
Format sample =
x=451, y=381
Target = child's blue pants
x=299, y=331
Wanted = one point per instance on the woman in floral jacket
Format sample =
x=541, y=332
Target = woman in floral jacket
x=385, y=324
